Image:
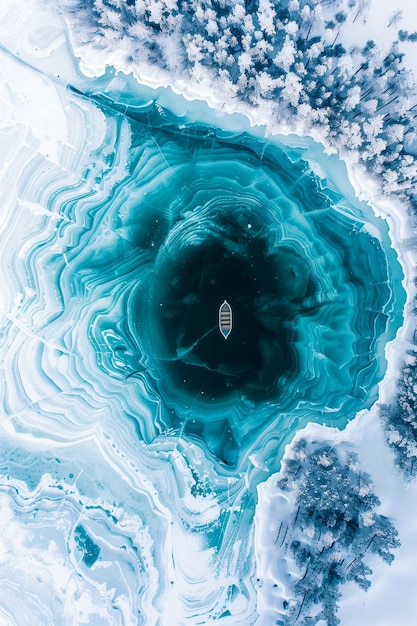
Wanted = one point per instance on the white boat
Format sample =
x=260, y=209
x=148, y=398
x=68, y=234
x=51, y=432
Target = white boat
x=225, y=319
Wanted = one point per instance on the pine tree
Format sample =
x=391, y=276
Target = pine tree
x=333, y=528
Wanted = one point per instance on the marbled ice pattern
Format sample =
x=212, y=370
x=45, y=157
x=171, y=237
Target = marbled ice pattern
x=133, y=435
x=201, y=215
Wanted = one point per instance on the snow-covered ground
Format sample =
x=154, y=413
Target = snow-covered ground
x=35, y=111
x=382, y=20
x=388, y=601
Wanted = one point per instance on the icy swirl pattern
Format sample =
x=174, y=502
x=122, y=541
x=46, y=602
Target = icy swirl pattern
x=201, y=216
x=133, y=434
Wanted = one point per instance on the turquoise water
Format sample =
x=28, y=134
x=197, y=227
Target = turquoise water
x=203, y=215
x=134, y=436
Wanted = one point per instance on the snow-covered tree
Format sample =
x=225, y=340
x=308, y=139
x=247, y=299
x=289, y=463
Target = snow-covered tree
x=334, y=527
x=289, y=53
x=400, y=418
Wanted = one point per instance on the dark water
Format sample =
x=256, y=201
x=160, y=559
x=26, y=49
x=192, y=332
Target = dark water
x=266, y=289
x=204, y=216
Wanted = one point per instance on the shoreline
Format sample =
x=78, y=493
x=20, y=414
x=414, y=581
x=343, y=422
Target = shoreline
x=225, y=113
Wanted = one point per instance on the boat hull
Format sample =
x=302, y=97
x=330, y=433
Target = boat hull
x=225, y=319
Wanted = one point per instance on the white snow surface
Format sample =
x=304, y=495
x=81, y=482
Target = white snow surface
x=375, y=25
x=391, y=600
x=388, y=601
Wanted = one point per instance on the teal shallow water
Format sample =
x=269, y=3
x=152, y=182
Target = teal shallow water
x=203, y=215
x=134, y=437
x=146, y=483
